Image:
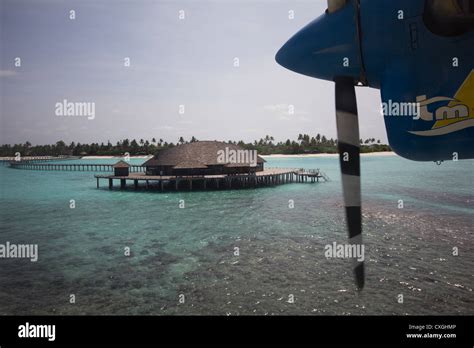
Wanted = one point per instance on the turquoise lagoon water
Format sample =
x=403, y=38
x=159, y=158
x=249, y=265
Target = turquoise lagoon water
x=190, y=251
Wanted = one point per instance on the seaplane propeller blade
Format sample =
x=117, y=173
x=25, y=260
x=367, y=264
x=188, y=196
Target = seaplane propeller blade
x=349, y=158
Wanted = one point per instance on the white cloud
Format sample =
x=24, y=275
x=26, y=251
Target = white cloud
x=286, y=112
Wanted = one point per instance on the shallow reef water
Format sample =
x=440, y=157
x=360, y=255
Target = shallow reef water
x=184, y=261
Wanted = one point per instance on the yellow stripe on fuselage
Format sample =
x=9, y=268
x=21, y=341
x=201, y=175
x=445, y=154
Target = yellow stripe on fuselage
x=465, y=96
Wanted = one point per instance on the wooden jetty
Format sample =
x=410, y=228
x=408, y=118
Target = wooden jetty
x=35, y=159
x=78, y=167
x=140, y=177
x=268, y=177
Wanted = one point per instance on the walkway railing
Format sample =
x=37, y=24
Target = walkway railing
x=78, y=167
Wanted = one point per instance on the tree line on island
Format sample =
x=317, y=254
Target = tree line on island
x=305, y=144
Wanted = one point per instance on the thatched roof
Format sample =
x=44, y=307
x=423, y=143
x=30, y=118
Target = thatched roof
x=199, y=154
x=121, y=164
x=190, y=165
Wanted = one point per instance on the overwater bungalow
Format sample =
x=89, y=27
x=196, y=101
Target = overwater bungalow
x=205, y=165
x=205, y=158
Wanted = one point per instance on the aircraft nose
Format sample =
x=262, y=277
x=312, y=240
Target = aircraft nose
x=327, y=47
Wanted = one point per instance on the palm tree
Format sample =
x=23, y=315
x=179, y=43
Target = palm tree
x=306, y=139
x=60, y=147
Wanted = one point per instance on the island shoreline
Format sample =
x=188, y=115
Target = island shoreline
x=316, y=155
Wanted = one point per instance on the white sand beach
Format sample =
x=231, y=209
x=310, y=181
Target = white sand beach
x=111, y=157
x=386, y=153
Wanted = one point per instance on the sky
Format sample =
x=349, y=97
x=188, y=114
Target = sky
x=173, y=62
